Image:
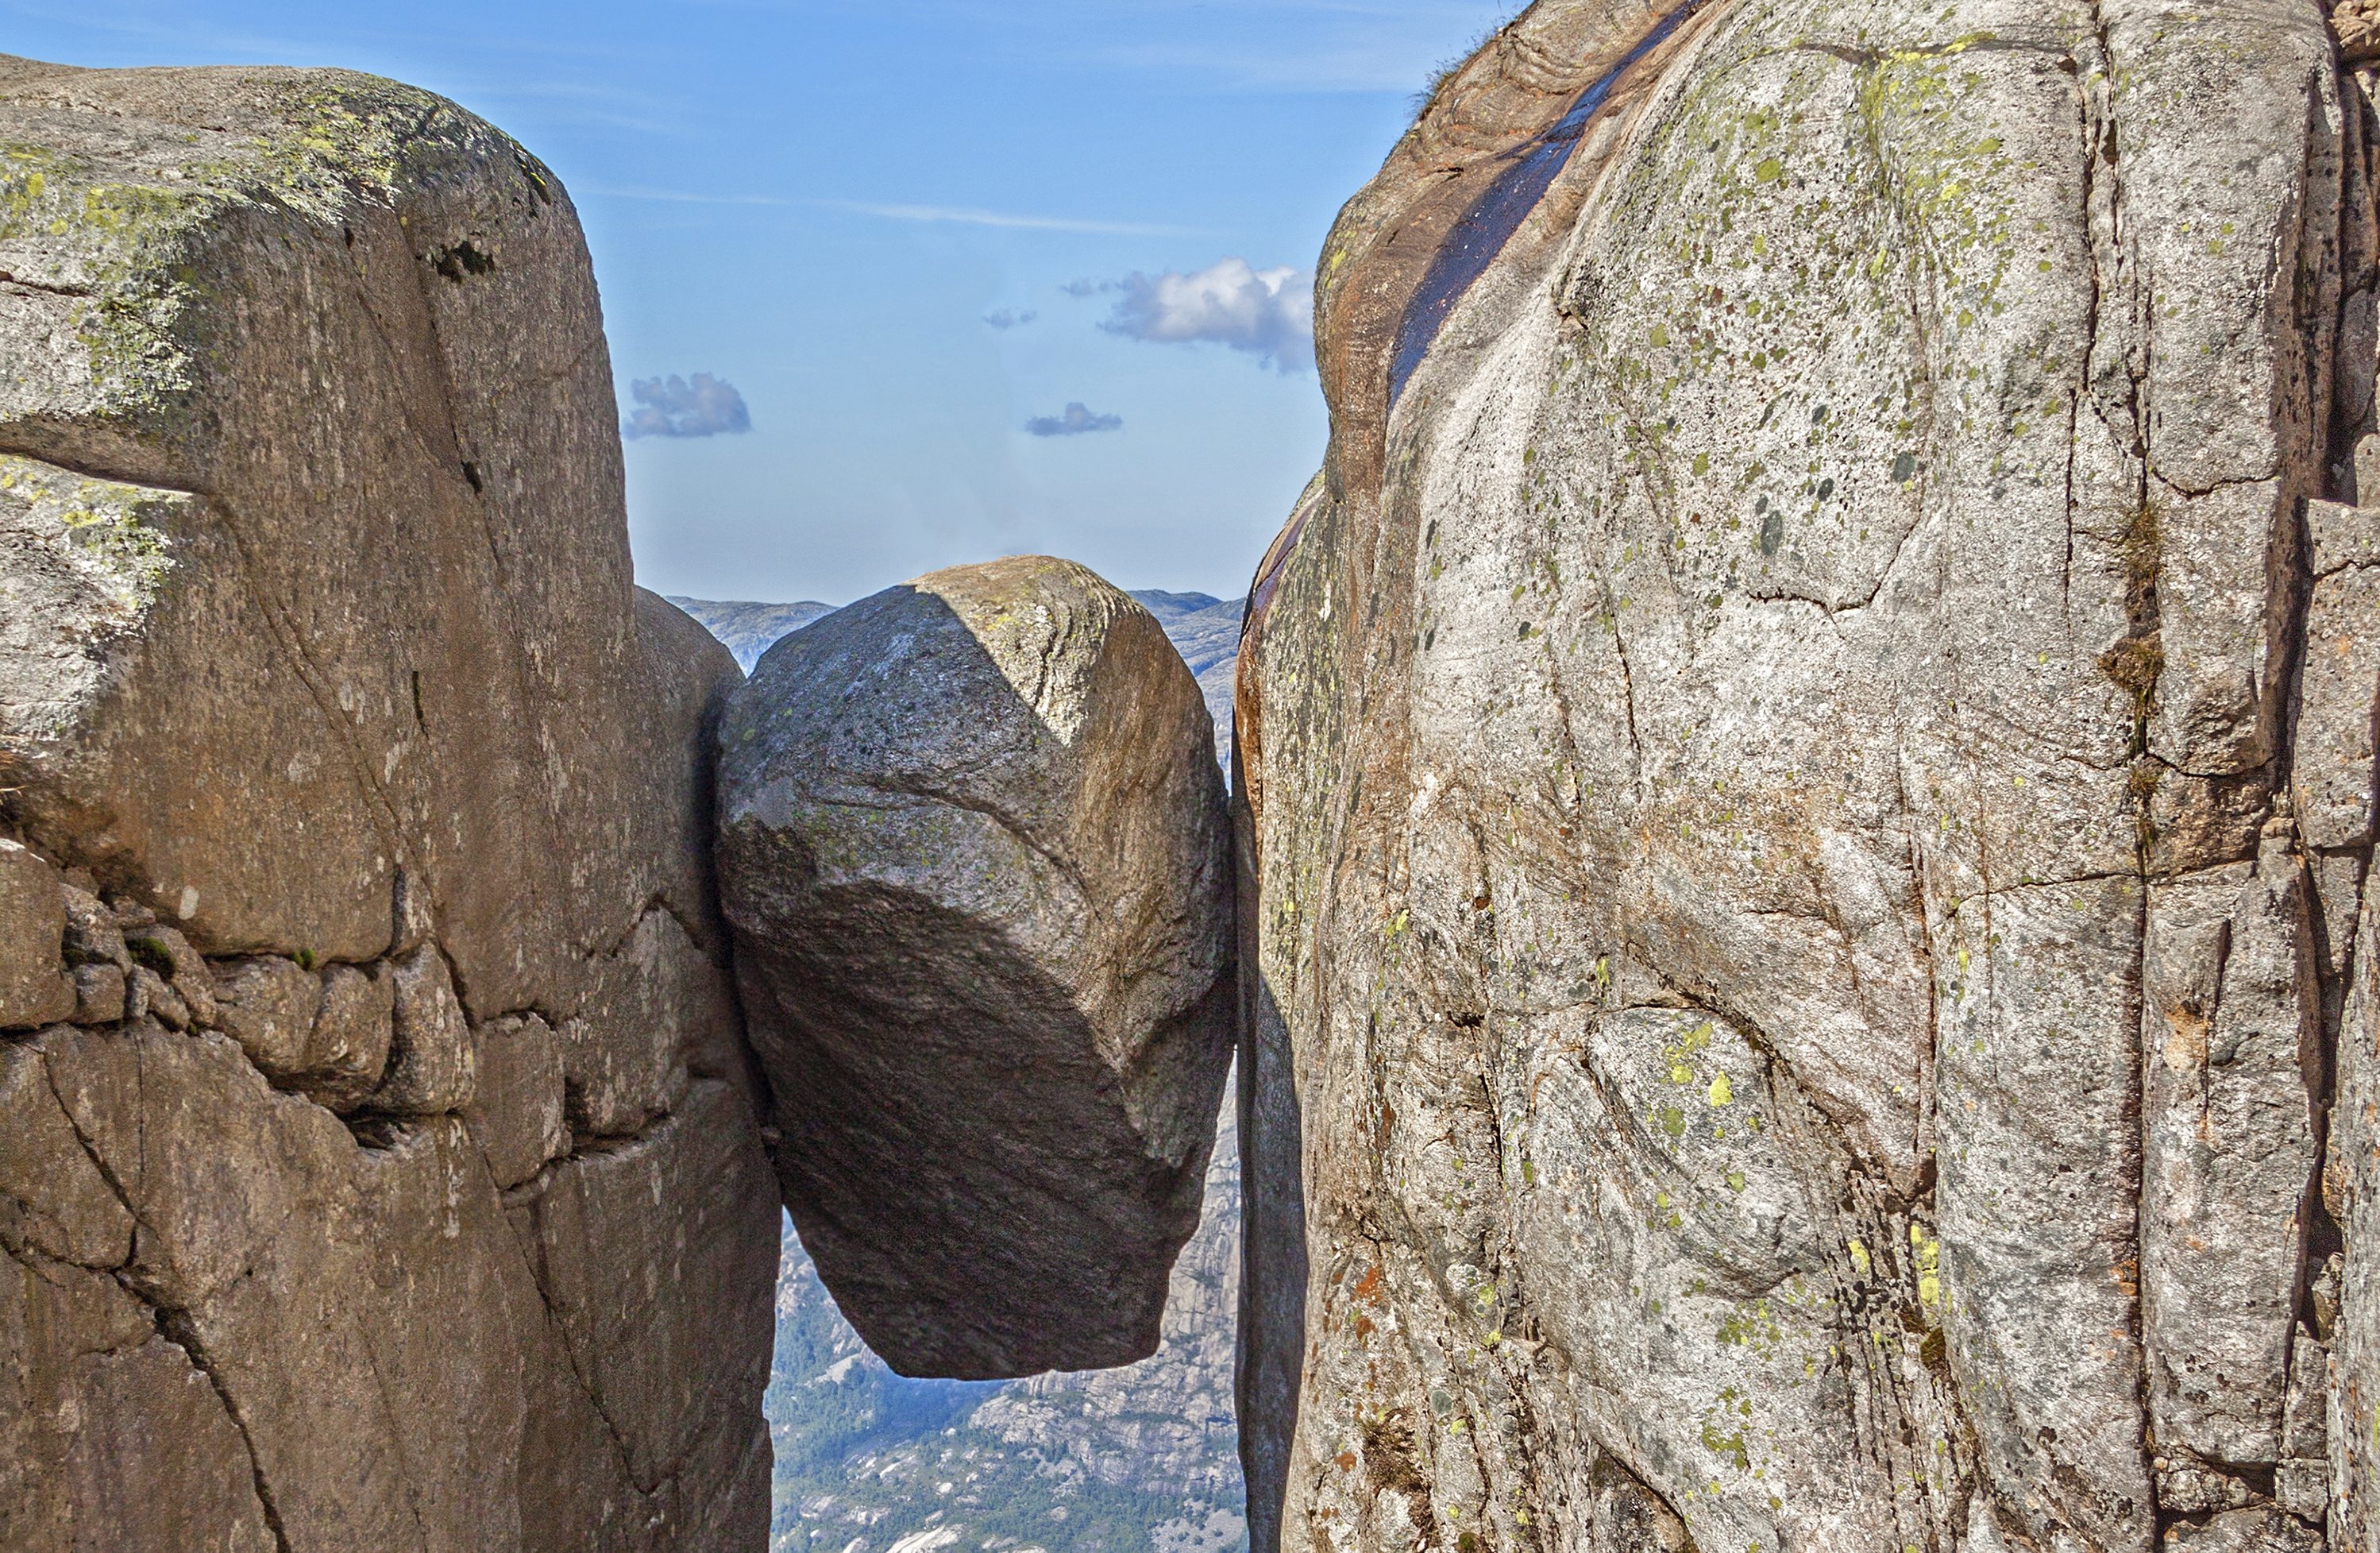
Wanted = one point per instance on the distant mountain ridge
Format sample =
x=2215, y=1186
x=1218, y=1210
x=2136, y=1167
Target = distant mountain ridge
x=749, y=629
x=1204, y=629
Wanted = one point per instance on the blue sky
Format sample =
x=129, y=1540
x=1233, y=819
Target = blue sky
x=820, y=203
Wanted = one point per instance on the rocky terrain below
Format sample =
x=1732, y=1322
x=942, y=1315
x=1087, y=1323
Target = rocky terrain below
x=749, y=629
x=1145, y=1457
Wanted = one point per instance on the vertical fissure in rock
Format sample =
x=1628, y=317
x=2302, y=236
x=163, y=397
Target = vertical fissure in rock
x=175, y=1327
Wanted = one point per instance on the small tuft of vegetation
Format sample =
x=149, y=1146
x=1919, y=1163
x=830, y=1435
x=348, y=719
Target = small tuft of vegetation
x=1443, y=77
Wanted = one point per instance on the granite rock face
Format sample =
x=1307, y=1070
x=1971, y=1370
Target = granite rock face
x=1806, y=785
x=974, y=847
x=379, y=1165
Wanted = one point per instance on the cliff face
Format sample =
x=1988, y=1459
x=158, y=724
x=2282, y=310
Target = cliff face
x=1806, y=789
x=378, y=1165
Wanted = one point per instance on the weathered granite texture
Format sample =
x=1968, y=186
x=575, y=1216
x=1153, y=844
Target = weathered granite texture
x=378, y=1163
x=1204, y=629
x=1806, y=776
x=974, y=846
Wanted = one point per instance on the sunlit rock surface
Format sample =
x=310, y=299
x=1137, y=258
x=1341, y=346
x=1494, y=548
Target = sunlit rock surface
x=974, y=847
x=378, y=1165
x=1806, y=794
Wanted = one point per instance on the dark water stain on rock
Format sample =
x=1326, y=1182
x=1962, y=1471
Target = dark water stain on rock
x=1483, y=231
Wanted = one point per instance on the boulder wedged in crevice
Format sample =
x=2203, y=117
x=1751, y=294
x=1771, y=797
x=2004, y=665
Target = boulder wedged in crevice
x=973, y=849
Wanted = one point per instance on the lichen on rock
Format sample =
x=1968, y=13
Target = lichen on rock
x=1806, y=781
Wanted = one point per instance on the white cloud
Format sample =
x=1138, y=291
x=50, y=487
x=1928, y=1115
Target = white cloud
x=1010, y=318
x=677, y=407
x=1268, y=314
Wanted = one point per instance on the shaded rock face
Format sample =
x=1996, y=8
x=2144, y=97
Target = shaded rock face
x=1807, y=776
x=974, y=847
x=378, y=1163
x=1139, y=1457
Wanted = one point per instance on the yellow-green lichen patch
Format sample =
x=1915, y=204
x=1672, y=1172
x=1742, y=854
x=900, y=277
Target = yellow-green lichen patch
x=1926, y=1254
x=124, y=240
x=106, y=531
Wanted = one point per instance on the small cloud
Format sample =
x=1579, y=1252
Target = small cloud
x=1010, y=318
x=676, y=406
x=1076, y=421
x=1086, y=288
x=1268, y=314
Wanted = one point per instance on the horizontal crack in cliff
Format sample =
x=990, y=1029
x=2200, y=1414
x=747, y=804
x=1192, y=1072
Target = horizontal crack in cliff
x=80, y=465
x=42, y=288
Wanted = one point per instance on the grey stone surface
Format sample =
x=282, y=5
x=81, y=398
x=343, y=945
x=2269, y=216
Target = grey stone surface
x=431, y=1065
x=974, y=846
x=348, y=1051
x=347, y=756
x=1806, y=789
x=516, y=1115
x=268, y=1005
x=34, y=988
